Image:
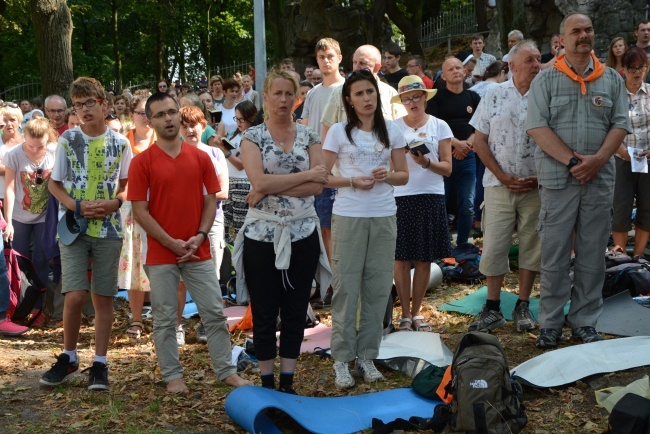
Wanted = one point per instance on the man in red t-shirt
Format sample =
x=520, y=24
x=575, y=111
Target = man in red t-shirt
x=55, y=108
x=172, y=187
x=416, y=66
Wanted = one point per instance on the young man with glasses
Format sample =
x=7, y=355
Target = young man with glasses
x=55, y=108
x=415, y=65
x=89, y=179
x=177, y=212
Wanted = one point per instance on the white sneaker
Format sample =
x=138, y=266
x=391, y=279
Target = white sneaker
x=343, y=378
x=180, y=336
x=368, y=370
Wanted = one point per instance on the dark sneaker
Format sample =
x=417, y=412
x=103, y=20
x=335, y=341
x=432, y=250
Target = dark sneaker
x=326, y=302
x=587, y=334
x=200, y=333
x=287, y=389
x=97, y=376
x=60, y=371
x=487, y=320
x=549, y=338
x=522, y=317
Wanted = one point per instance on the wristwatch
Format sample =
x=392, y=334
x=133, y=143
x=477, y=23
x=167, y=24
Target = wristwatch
x=572, y=162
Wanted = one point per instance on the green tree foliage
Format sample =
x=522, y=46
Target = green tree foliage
x=157, y=39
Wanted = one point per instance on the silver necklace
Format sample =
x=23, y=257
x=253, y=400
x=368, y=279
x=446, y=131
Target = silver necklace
x=418, y=126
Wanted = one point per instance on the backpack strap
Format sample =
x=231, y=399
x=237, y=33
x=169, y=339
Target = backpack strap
x=480, y=420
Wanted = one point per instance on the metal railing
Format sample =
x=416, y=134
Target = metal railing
x=228, y=70
x=23, y=91
x=458, y=22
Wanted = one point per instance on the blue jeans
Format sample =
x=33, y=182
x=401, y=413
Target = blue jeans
x=463, y=180
x=480, y=193
x=4, y=288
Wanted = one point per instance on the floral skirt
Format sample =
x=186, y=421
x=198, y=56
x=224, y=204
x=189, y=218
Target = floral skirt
x=131, y=275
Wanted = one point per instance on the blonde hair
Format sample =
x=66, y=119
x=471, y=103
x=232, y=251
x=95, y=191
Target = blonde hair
x=39, y=128
x=15, y=111
x=268, y=81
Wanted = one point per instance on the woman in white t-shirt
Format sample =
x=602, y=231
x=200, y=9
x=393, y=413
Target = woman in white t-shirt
x=422, y=229
x=12, y=118
x=27, y=173
x=363, y=224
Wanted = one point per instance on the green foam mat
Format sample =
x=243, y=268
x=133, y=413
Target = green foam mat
x=473, y=303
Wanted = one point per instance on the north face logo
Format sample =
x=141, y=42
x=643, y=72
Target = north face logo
x=479, y=384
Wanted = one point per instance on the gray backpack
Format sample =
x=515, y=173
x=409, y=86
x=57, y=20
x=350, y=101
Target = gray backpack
x=485, y=399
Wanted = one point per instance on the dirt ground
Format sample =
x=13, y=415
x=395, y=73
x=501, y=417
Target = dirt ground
x=137, y=401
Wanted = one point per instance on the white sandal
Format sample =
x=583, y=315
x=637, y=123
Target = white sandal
x=405, y=328
x=422, y=324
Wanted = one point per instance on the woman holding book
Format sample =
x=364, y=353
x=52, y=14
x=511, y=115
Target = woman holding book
x=363, y=224
x=422, y=229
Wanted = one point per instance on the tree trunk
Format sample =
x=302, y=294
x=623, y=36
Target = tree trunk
x=53, y=30
x=276, y=22
x=481, y=15
x=116, y=48
x=375, y=22
x=411, y=32
x=159, y=52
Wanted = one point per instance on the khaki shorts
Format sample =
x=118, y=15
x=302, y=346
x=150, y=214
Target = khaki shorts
x=105, y=255
x=501, y=209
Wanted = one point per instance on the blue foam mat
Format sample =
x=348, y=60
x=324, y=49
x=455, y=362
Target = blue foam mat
x=345, y=414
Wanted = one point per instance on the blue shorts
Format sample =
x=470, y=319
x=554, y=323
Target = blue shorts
x=323, y=203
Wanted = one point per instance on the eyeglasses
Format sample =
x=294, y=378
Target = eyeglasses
x=57, y=111
x=635, y=70
x=89, y=104
x=417, y=98
x=9, y=104
x=160, y=115
x=139, y=113
x=411, y=66
x=39, y=175
x=238, y=120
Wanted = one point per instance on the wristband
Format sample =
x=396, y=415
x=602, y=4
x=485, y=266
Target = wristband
x=227, y=154
x=205, y=235
x=352, y=184
x=78, y=206
x=119, y=201
x=428, y=164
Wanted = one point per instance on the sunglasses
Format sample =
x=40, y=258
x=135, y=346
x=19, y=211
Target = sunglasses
x=111, y=116
x=9, y=104
x=39, y=176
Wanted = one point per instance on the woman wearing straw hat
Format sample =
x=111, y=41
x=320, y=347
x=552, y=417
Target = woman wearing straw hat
x=422, y=230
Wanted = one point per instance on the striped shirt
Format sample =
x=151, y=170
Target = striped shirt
x=581, y=121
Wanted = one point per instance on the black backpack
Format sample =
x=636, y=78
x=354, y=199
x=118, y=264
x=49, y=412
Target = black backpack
x=485, y=398
x=623, y=273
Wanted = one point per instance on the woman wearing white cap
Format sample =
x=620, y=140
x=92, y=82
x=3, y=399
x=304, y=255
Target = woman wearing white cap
x=422, y=229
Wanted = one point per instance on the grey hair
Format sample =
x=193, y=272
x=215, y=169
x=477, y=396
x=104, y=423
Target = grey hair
x=516, y=33
x=512, y=55
x=51, y=97
x=563, y=23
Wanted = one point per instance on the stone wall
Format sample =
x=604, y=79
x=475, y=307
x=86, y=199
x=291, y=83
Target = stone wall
x=540, y=19
x=306, y=21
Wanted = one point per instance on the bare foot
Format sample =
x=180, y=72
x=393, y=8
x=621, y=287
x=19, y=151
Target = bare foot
x=177, y=386
x=236, y=381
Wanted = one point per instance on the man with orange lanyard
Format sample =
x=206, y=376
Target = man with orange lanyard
x=578, y=117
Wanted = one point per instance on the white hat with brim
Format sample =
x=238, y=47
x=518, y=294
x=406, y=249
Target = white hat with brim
x=411, y=83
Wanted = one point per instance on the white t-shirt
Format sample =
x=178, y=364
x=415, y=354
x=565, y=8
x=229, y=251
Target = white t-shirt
x=359, y=159
x=315, y=102
x=233, y=172
x=227, y=120
x=220, y=166
x=421, y=180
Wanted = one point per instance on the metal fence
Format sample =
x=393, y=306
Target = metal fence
x=228, y=70
x=450, y=24
x=23, y=91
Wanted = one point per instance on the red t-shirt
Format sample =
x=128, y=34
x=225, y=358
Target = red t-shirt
x=62, y=129
x=174, y=188
x=427, y=82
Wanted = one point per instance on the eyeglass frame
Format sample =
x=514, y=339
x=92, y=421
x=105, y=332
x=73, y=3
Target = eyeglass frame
x=80, y=105
x=635, y=70
x=414, y=99
x=161, y=115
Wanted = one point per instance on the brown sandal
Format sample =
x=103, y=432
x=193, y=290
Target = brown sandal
x=134, y=333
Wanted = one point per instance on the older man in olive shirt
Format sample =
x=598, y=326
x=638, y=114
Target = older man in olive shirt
x=578, y=117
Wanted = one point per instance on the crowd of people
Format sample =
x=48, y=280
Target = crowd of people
x=348, y=179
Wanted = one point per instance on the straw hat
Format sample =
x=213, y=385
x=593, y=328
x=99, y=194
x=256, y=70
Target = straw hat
x=409, y=84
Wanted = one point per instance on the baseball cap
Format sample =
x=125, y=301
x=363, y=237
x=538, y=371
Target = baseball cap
x=70, y=227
